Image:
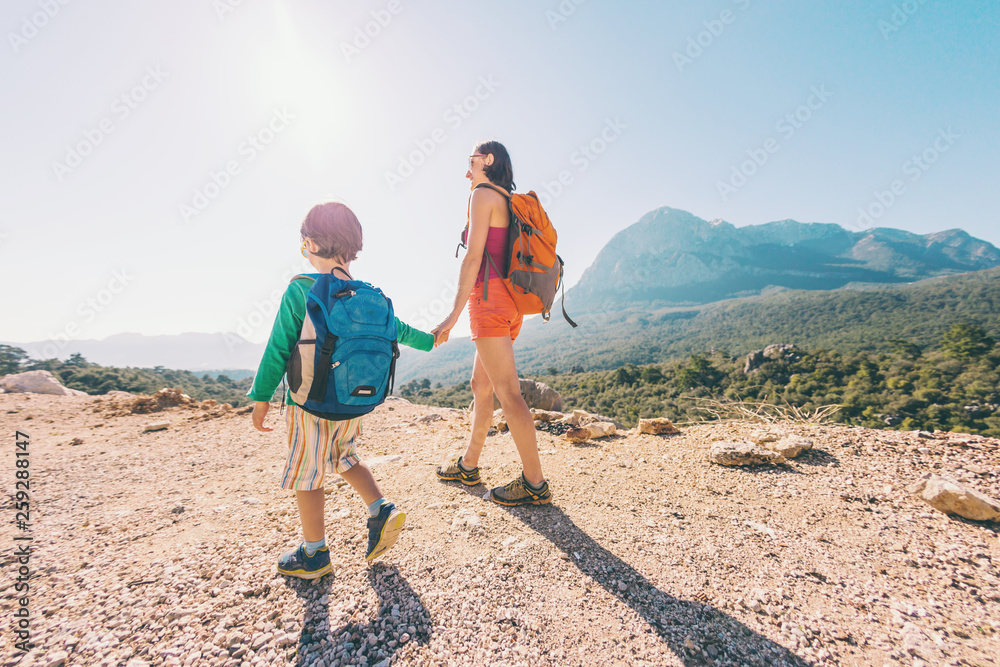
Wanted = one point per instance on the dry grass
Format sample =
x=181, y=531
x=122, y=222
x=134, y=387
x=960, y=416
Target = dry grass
x=764, y=412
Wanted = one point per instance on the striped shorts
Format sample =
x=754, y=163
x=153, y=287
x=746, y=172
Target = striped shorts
x=316, y=446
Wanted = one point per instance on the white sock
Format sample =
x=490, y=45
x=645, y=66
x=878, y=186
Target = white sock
x=376, y=506
x=313, y=547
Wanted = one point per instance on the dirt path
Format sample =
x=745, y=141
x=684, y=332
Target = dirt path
x=159, y=548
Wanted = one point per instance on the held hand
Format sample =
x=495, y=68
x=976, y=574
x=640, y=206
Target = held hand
x=259, y=412
x=442, y=330
x=440, y=337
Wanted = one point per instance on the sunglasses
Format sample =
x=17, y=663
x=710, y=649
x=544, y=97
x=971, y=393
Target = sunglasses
x=475, y=155
x=304, y=250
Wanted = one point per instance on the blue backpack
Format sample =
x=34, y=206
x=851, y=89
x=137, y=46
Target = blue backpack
x=344, y=363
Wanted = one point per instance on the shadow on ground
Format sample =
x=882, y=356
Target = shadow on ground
x=697, y=633
x=352, y=640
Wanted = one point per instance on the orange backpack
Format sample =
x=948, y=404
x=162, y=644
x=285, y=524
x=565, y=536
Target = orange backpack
x=534, y=271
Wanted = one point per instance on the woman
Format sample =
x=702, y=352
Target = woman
x=495, y=323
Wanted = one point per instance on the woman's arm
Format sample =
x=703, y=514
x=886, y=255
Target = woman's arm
x=481, y=207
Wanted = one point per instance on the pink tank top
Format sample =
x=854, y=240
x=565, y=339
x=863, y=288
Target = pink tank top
x=496, y=246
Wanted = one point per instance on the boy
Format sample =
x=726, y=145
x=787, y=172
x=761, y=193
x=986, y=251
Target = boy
x=331, y=241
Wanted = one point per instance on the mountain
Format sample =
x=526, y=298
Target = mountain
x=188, y=351
x=673, y=284
x=671, y=257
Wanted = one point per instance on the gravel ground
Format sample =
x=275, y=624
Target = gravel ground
x=159, y=549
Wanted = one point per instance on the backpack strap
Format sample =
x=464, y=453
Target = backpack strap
x=318, y=390
x=493, y=187
x=562, y=284
x=486, y=271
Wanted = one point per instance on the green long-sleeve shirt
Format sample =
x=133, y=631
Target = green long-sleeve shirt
x=285, y=333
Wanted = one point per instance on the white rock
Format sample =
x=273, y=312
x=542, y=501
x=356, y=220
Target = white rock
x=951, y=497
x=742, y=454
x=790, y=446
x=36, y=382
x=657, y=426
x=588, y=431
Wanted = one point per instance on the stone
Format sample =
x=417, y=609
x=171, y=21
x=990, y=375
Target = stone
x=382, y=460
x=790, y=446
x=951, y=497
x=742, y=454
x=37, y=382
x=161, y=400
x=541, y=396
x=658, y=426
x=499, y=421
x=588, y=431
x=155, y=426
x=576, y=417
x=466, y=519
x=545, y=415
x=781, y=352
x=59, y=657
x=429, y=419
x=916, y=643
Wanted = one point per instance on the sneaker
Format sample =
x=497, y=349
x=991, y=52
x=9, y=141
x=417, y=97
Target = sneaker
x=519, y=493
x=453, y=472
x=383, y=530
x=296, y=563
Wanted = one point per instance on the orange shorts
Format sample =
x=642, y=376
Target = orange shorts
x=497, y=315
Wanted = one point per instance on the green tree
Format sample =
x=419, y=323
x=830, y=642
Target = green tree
x=76, y=360
x=11, y=359
x=966, y=340
x=905, y=348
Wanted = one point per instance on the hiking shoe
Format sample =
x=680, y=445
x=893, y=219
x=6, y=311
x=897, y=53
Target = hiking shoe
x=519, y=493
x=453, y=472
x=383, y=530
x=296, y=563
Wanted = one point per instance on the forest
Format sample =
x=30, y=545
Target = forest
x=952, y=386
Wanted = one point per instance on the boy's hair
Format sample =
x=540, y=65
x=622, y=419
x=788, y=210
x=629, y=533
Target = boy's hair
x=335, y=229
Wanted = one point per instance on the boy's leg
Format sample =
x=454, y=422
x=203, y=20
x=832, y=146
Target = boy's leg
x=482, y=414
x=385, y=522
x=311, y=505
x=497, y=357
x=306, y=448
x=361, y=480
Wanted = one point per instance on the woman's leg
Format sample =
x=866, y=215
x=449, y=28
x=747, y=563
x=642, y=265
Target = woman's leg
x=482, y=414
x=496, y=354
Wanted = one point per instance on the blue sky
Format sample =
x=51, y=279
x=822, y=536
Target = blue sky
x=123, y=120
